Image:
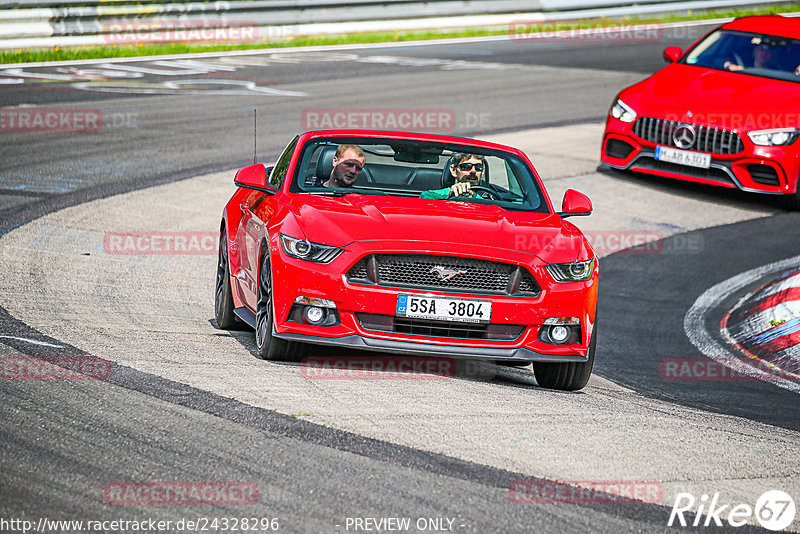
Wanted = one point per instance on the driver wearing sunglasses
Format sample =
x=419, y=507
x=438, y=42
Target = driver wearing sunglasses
x=467, y=170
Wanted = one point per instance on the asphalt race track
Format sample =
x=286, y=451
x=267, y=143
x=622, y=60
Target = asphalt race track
x=151, y=145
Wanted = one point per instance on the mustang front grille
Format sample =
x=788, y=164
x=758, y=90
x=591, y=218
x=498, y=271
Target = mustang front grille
x=451, y=273
x=449, y=329
x=688, y=136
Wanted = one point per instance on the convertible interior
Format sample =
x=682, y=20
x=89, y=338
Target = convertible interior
x=408, y=169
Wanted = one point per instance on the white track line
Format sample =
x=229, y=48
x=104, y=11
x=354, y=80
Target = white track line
x=33, y=341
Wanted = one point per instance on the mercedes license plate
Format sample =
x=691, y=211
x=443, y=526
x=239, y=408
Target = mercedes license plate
x=683, y=157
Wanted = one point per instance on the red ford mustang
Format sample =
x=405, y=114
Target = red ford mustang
x=414, y=244
x=726, y=111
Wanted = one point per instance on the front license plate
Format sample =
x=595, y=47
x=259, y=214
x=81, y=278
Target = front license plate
x=444, y=309
x=683, y=157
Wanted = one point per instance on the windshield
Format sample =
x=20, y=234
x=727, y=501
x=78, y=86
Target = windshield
x=749, y=53
x=416, y=169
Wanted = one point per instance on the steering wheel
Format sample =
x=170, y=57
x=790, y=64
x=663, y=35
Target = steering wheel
x=738, y=59
x=487, y=193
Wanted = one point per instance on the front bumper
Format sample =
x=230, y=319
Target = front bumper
x=301, y=278
x=425, y=349
x=757, y=169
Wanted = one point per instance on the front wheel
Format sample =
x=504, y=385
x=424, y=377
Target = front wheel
x=268, y=346
x=792, y=200
x=568, y=376
x=223, y=297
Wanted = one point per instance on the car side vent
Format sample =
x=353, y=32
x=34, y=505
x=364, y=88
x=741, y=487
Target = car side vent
x=617, y=148
x=763, y=174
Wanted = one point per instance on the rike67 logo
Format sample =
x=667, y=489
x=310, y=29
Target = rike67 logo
x=774, y=510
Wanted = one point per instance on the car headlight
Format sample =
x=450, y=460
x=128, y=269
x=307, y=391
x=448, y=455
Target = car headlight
x=306, y=250
x=577, y=271
x=622, y=111
x=777, y=136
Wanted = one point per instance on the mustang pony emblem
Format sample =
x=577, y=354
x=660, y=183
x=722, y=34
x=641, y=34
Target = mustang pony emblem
x=445, y=274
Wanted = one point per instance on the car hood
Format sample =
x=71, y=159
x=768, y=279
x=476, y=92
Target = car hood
x=339, y=221
x=723, y=99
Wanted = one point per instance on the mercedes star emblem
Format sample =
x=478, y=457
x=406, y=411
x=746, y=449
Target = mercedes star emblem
x=684, y=136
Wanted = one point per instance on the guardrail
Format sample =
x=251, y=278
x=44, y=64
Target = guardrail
x=47, y=23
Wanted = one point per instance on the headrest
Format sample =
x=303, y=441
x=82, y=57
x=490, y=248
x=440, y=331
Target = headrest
x=325, y=164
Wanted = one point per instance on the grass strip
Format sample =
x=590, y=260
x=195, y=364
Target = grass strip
x=133, y=50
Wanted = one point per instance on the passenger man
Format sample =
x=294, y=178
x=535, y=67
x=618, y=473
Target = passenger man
x=347, y=164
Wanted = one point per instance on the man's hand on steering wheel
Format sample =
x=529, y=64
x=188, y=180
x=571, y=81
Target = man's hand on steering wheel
x=459, y=189
x=485, y=192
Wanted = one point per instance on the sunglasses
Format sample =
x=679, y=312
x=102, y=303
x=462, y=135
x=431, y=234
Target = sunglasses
x=468, y=166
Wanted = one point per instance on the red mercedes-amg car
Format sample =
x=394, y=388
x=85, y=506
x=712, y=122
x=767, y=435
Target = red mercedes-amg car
x=408, y=243
x=725, y=112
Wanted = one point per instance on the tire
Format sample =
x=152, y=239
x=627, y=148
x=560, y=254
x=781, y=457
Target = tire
x=569, y=376
x=268, y=346
x=791, y=201
x=223, y=298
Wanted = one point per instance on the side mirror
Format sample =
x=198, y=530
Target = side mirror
x=672, y=54
x=575, y=203
x=254, y=177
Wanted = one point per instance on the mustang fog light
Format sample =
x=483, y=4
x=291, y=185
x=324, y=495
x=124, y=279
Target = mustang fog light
x=560, y=331
x=314, y=311
x=314, y=314
x=559, y=334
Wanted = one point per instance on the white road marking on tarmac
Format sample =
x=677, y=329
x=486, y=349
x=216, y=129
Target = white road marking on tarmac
x=33, y=341
x=694, y=322
x=169, y=68
x=239, y=87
